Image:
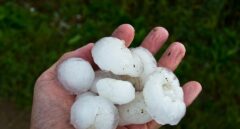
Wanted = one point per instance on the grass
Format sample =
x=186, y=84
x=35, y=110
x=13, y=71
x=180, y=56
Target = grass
x=33, y=35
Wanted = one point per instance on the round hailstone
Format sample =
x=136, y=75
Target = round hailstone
x=84, y=111
x=107, y=116
x=111, y=54
x=164, y=97
x=93, y=112
x=117, y=91
x=76, y=75
x=100, y=75
x=134, y=112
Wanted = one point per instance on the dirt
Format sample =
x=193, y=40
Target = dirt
x=13, y=117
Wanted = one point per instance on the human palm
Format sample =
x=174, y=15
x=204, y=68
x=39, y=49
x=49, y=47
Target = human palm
x=52, y=103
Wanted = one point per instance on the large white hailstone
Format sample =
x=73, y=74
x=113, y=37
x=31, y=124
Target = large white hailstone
x=164, y=97
x=93, y=112
x=149, y=62
x=117, y=91
x=107, y=116
x=149, y=66
x=76, y=75
x=111, y=54
x=134, y=112
x=100, y=75
x=84, y=111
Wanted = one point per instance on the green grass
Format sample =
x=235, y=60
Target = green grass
x=31, y=41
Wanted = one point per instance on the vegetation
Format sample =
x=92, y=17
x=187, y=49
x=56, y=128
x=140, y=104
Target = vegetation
x=34, y=34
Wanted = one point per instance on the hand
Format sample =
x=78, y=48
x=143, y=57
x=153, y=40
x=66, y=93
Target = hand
x=52, y=103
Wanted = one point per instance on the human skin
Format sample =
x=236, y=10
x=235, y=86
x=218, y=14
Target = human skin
x=52, y=103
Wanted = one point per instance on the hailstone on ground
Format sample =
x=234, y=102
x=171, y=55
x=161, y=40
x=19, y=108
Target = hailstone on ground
x=128, y=88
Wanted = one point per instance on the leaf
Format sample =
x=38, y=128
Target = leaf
x=74, y=39
x=2, y=13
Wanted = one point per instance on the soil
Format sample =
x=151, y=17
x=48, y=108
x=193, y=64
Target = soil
x=13, y=117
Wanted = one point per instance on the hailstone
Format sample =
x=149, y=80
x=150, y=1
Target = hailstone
x=76, y=75
x=90, y=111
x=148, y=61
x=127, y=89
x=117, y=91
x=111, y=54
x=100, y=75
x=164, y=97
x=134, y=112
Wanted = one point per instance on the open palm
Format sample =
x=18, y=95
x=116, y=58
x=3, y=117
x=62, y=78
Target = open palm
x=52, y=103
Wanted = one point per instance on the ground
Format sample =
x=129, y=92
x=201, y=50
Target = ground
x=13, y=117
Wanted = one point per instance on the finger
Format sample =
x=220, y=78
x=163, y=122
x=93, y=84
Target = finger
x=172, y=56
x=83, y=52
x=124, y=32
x=153, y=125
x=191, y=90
x=150, y=125
x=121, y=127
x=155, y=39
x=139, y=126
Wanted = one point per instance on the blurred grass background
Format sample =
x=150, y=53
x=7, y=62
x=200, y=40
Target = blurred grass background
x=34, y=34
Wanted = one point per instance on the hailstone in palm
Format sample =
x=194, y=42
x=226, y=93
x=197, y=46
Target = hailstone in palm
x=91, y=111
x=134, y=112
x=127, y=89
x=76, y=75
x=117, y=91
x=164, y=97
x=111, y=54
